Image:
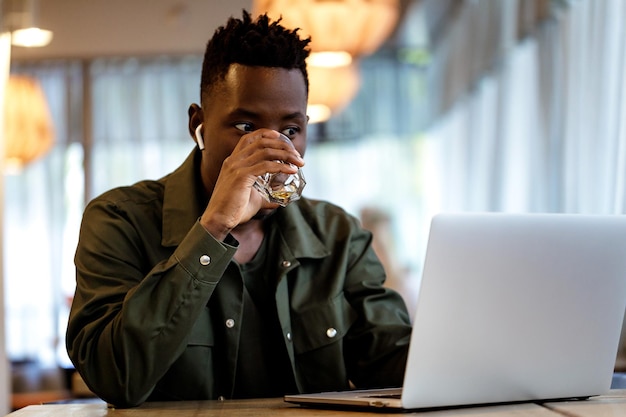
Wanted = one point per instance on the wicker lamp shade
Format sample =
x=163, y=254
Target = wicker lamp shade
x=341, y=31
x=28, y=130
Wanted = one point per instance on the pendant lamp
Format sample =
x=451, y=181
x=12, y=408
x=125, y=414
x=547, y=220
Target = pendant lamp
x=28, y=130
x=341, y=31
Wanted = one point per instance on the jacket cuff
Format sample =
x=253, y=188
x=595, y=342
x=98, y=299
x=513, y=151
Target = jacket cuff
x=204, y=257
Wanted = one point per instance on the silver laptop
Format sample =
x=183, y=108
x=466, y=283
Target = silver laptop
x=511, y=308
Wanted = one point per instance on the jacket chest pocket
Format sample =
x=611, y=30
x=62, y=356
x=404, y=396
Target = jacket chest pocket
x=322, y=324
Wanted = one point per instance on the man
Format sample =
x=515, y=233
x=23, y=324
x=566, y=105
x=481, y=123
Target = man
x=194, y=287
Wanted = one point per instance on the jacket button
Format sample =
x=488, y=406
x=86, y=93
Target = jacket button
x=331, y=332
x=205, y=260
x=289, y=336
x=286, y=264
x=230, y=323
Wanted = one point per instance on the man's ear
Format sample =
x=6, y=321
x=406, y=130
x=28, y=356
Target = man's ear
x=196, y=116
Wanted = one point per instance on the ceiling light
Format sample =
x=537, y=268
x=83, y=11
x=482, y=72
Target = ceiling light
x=329, y=59
x=31, y=37
x=19, y=17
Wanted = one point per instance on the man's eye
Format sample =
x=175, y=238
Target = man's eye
x=244, y=127
x=290, y=132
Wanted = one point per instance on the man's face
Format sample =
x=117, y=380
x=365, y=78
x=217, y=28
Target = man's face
x=248, y=99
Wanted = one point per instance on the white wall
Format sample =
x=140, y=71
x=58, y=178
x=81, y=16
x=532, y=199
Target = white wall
x=5, y=57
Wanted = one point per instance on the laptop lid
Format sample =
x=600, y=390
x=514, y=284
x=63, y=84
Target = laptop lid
x=514, y=307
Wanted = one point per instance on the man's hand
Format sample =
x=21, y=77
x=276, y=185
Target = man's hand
x=234, y=200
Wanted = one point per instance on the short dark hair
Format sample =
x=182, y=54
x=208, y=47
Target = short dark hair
x=259, y=42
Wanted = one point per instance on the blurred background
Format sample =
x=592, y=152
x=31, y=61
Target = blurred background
x=438, y=105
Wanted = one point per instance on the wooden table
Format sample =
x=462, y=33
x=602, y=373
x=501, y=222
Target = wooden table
x=610, y=405
x=613, y=404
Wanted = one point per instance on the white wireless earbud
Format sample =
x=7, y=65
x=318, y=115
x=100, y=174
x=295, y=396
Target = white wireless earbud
x=199, y=137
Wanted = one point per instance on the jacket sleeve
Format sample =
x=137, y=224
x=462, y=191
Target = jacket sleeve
x=126, y=325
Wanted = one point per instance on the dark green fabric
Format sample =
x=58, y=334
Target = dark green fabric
x=147, y=312
x=263, y=367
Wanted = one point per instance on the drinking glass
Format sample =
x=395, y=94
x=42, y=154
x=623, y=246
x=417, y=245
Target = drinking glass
x=281, y=188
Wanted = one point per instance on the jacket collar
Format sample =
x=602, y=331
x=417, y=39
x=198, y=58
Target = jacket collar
x=183, y=200
x=183, y=204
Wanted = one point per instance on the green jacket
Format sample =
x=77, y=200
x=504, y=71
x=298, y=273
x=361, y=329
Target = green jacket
x=140, y=329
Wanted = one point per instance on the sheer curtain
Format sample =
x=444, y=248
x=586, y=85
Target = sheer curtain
x=544, y=129
x=139, y=118
x=40, y=225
